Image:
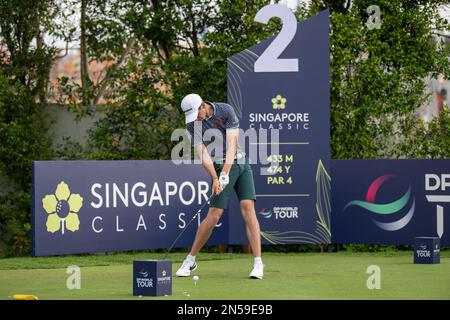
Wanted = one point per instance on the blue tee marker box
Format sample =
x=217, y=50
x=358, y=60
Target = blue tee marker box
x=152, y=277
x=427, y=250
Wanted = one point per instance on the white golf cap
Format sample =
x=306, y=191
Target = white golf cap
x=190, y=105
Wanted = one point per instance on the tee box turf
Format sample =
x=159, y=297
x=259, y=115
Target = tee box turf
x=152, y=277
x=426, y=250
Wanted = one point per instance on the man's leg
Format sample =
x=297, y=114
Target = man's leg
x=245, y=189
x=254, y=237
x=205, y=229
x=203, y=233
x=252, y=225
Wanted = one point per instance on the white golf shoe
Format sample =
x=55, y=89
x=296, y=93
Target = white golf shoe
x=258, y=271
x=186, y=268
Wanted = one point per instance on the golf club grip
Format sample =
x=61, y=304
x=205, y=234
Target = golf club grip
x=184, y=229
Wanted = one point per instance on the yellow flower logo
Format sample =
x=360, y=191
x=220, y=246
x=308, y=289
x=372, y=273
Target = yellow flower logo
x=62, y=208
x=279, y=102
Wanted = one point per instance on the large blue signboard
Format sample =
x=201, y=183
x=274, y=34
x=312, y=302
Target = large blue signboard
x=98, y=206
x=390, y=201
x=280, y=89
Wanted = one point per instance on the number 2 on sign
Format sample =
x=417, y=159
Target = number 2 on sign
x=268, y=61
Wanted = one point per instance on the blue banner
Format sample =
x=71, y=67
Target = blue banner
x=390, y=201
x=280, y=89
x=99, y=206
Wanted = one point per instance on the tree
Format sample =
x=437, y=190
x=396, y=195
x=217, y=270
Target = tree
x=159, y=51
x=25, y=62
x=378, y=75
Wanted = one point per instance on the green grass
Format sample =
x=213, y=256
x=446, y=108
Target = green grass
x=224, y=276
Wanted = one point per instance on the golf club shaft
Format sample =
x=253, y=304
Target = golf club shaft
x=184, y=229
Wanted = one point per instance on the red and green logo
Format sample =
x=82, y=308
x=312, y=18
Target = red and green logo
x=386, y=209
x=264, y=213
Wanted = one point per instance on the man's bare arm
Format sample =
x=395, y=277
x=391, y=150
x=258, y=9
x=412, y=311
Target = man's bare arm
x=232, y=139
x=207, y=163
x=206, y=160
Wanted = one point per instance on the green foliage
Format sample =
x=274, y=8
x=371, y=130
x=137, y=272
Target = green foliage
x=163, y=52
x=22, y=132
x=69, y=149
x=24, y=71
x=15, y=222
x=368, y=248
x=431, y=140
x=378, y=76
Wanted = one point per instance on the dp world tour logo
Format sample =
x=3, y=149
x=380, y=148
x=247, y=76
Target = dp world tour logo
x=264, y=213
x=62, y=208
x=143, y=273
x=386, y=209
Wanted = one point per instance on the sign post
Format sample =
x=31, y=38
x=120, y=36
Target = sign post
x=280, y=89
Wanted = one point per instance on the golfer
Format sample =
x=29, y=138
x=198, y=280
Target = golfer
x=229, y=170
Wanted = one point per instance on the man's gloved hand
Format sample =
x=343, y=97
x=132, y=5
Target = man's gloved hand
x=224, y=179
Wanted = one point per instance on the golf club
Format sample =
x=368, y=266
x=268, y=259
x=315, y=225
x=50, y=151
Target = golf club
x=184, y=229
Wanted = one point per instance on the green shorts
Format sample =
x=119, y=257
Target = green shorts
x=241, y=180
